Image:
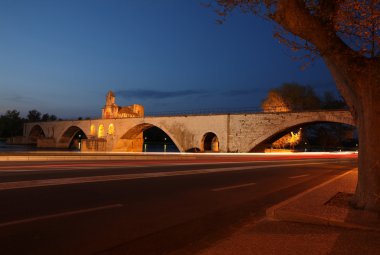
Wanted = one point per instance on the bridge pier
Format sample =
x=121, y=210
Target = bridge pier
x=93, y=144
x=129, y=145
x=46, y=143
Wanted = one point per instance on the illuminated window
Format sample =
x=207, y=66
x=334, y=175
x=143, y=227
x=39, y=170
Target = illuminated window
x=101, y=131
x=92, y=130
x=111, y=129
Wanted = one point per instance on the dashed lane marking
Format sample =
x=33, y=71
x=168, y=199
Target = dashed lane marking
x=57, y=215
x=298, y=176
x=234, y=187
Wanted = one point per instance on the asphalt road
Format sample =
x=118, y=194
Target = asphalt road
x=143, y=207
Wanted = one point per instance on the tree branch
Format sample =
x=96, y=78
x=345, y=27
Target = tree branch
x=294, y=16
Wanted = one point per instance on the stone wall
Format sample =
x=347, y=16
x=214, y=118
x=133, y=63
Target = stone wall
x=46, y=143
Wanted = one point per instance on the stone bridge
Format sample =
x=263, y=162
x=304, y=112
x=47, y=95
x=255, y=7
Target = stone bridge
x=214, y=132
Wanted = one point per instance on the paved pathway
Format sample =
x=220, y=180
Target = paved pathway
x=315, y=222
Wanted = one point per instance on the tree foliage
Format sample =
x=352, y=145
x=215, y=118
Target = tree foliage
x=34, y=116
x=11, y=123
x=291, y=97
x=355, y=22
x=331, y=102
x=297, y=97
x=358, y=23
x=274, y=102
x=48, y=117
x=289, y=140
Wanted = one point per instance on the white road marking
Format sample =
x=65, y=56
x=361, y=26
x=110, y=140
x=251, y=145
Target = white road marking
x=234, y=187
x=298, y=176
x=64, y=214
x=105, y=178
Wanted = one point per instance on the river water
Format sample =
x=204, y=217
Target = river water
x=4, y=147
x=7, y=147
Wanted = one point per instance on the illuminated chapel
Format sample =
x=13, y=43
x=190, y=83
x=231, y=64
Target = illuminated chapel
x=112, y=111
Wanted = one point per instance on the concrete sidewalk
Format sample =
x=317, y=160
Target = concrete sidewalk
x=327, y=204
x=317, y=221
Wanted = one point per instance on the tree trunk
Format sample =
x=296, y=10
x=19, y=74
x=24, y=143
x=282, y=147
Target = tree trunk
x=367, y=195
x=359, y=83
x=358, y=79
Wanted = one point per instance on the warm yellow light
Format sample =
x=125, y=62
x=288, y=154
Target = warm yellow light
x=101, y=131
x=111, y=129
x=92, y=129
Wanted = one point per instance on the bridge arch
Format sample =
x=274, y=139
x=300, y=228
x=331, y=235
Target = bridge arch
x=35, y=133
x=210, y=142
x=132, y=140
x=277, y=132
x=68, y=137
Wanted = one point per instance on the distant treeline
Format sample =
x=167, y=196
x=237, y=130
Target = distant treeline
x=11, y=123
x=297, y=97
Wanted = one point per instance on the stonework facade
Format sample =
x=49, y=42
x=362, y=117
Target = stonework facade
x=112, y=111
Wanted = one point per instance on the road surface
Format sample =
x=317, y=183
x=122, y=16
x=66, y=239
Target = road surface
x=143, y=207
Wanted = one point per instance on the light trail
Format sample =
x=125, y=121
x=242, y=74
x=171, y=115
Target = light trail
x=219, y=158
x=119, y=177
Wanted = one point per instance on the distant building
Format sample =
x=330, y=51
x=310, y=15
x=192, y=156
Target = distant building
x=112, y=111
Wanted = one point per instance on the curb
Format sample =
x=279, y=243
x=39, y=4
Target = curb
x=274, y=212
x=309, y=219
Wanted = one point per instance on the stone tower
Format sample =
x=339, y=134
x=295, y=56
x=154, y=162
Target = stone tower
x=110, y=98
x=110, y=110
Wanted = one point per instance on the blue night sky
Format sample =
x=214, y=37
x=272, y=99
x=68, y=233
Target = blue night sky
x=61, y=57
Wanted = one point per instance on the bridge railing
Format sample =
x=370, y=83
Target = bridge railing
x=205, y=111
